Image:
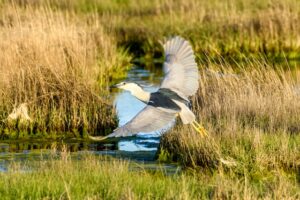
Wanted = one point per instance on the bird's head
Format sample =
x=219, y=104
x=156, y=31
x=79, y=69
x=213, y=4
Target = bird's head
x=135, y=89
x=128, y=86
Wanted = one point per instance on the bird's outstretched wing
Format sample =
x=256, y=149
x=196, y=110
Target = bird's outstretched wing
x=181, y=71
x=147, y=120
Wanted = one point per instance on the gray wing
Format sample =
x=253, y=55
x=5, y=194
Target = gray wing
x=180, y=67
x=147, y=120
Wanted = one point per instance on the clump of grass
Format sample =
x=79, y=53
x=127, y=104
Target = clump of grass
x=250, y=149
x=183, y=145
x=60, y=64
x=255, y=94
x=264, y=163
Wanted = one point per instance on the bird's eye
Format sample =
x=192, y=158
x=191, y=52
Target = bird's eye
x=123, y=83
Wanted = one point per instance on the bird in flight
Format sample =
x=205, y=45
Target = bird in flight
x=171, y=100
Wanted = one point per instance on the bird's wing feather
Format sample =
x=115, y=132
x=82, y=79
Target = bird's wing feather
x=147, y=120
x=181, y=71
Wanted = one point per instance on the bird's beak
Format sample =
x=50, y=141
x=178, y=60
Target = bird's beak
x=115, y=86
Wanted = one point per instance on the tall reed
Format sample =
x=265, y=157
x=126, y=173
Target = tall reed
x=246, y=110
x=60, y=65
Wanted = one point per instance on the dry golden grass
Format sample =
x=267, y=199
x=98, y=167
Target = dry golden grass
x=59, y=64
x=232, y=28
x=253, y=95
x=252, y=117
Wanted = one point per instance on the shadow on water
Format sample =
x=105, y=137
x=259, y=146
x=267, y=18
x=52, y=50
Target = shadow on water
x=141, y=148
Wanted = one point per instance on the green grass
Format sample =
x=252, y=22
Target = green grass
x=104, y=178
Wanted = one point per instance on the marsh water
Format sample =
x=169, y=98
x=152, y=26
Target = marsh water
x=141, y=148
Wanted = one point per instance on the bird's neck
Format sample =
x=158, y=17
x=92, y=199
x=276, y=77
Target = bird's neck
x=141, y=95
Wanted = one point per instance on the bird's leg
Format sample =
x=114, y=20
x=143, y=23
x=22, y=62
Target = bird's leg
x=199, y=128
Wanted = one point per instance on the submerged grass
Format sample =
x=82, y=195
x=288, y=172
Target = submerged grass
x=59, y=65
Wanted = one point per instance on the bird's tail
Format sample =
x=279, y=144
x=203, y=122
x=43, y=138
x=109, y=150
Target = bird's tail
x=118, y=132
x=97, y=138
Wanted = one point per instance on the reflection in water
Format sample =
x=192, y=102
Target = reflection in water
x=140, y=148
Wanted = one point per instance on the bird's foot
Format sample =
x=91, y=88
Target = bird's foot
x=200, y=129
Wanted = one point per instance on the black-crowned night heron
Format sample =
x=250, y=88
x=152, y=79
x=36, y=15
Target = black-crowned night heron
x=171, y=100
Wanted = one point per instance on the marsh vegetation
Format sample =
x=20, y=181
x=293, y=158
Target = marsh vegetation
x=59, y=57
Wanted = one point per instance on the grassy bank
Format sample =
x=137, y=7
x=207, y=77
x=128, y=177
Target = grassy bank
x=59, y=66
x=103, y=178
x=268, y=162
